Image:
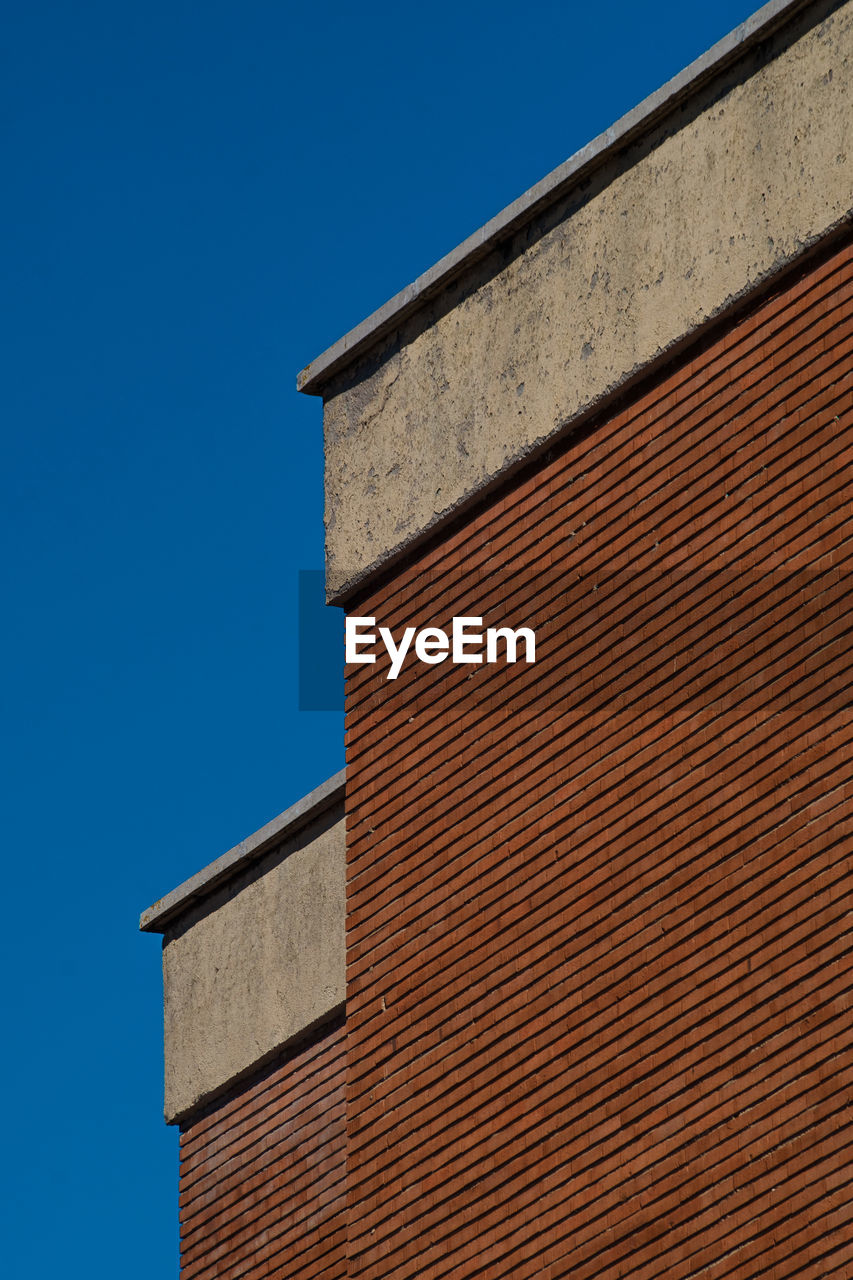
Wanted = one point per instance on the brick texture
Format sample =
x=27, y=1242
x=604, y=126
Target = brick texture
x=599, y=968
x=262, y=1173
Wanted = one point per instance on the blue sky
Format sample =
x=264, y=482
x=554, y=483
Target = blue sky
x=198, y=199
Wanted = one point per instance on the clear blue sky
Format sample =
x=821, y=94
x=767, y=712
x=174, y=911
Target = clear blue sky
x=198, y=199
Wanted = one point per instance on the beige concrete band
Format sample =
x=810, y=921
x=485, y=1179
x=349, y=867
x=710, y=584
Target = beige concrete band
x=255, y=964
x=715, y=200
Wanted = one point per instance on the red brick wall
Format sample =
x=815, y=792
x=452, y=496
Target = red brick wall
x=262, y=1175
x=598, y=953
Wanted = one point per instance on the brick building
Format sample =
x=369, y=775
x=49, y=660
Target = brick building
x=566, y=992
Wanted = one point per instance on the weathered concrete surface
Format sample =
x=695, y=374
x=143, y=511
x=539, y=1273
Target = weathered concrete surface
x=720, y=196
x=174, y=905
x=255, y=964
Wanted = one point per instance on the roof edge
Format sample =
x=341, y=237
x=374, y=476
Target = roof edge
x=164, y=912
x=313, y=378
x=347, y=595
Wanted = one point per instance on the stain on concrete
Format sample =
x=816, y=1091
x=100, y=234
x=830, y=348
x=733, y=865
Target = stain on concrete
x=714, y=201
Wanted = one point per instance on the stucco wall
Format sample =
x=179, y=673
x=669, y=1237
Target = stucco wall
x=256, y=964
x=716, y=199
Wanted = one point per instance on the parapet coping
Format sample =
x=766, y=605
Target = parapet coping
x=169, y=908
x=313, y=378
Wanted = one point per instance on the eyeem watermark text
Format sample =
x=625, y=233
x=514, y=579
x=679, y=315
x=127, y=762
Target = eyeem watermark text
x=465, y=643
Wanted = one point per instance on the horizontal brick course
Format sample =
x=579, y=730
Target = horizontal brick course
x=262, y=1173
x=599, y=972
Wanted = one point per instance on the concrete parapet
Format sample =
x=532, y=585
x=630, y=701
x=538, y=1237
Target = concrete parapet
x=253, y=950
x=711, y=188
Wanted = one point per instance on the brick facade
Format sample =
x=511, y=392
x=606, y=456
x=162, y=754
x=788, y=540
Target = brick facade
x=262, y=1172
x=598, y=975
x=596, y=908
